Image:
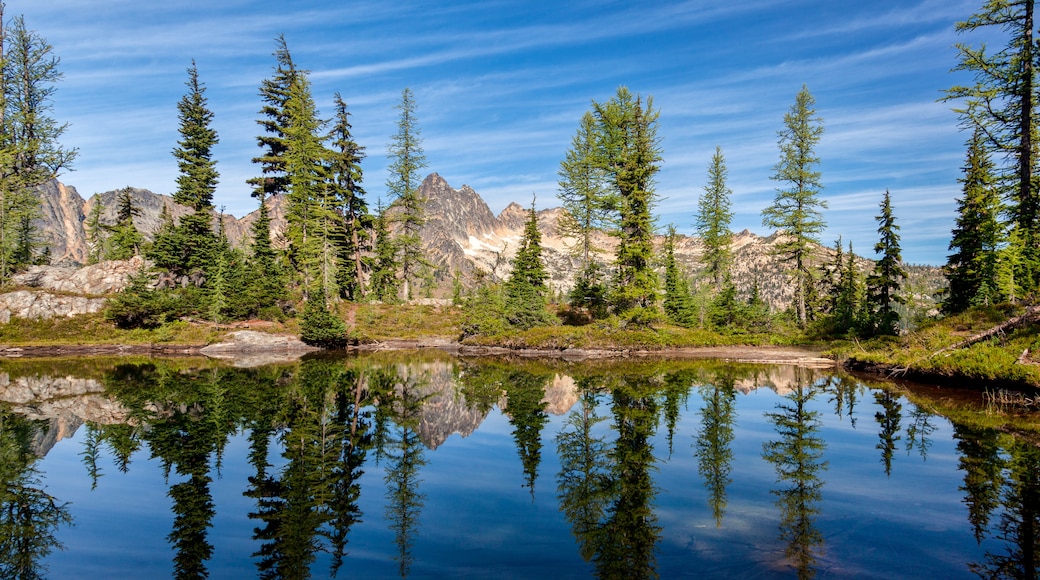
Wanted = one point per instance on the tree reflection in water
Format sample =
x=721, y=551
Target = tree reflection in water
x=797, y=457
x=314, y=426
x=712, y=447
x=29, y=516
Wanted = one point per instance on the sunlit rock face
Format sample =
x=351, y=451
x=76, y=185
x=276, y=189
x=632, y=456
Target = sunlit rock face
x=460, y=235
x=430, y=393
x=64, y=403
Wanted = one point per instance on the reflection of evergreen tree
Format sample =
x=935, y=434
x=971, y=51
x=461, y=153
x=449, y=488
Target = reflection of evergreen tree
x=527, y=415
x=625, y=548
x=584, y=479
x=712, y=447
x=843, y=390
x=352, y=450
x=29, y=516
x=919, y=431
x=1019, y=526
x=797, y=458
x=91, y=453
x=676, y=389
x=982, y=465
x=889, y=421
x=405, y=457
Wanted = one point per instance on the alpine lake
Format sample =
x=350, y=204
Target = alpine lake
x=421, y=464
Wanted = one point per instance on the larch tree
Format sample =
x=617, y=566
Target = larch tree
x=583, y=192
x=407, y=159
x=346, y=175
x=795, y=211
x=971, y=270
x=713, y=219
x=1001, y=103
x=630, y=153
x=884, y=284
x=30, y=154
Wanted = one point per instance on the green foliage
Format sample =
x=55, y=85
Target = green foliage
x=589, y=295
x=583, y=190
x=484, y=312
x=139, y=305
x=1000, y=104
x=385, y=284
x=266, y=285
x=883, y=285
x=713, y=220
x=198, y=176
x=525, y=290
x=125, y=240
x=678, y=302
x=971, y=270
x=319, y=326
x=406, y=157
x=796, y=208
x=629, y=151
x=274, y=92
x=345, y=171
x=726, y=312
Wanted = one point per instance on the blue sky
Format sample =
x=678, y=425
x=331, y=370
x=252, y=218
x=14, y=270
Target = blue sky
x=501, y=85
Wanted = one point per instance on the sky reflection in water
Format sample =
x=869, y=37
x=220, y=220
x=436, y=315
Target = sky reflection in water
x=472, y=469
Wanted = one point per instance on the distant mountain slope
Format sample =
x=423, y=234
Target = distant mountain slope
x=461, y=234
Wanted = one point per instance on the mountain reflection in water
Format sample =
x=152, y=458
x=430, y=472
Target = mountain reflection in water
x=422, y=465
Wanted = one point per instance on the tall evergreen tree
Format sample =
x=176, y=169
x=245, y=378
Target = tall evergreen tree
x=796, y=208
x=274, y=92
x=30, y=154
x=583, y=192
x=678, y=302
x=96, y=232
x=385, y=284
x=267, y=284
x=884, y=284
x=407, y=159
x=526, y=290
x=713, y=220
x=1001, y=102
x=126, y=240
x=971, y=270
x=630, y=153
x=346, y=177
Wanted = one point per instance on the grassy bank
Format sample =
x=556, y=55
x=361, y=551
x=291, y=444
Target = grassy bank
x=920, y=354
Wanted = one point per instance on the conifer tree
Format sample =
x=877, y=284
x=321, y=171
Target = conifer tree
x=526, y=290
x=971, y=270
x=1001, y=104
x=713, y=220
x=406, y=157
x=126, y=240
x=848, y=305
x=96, y=232
x=629, y=152
x=274, y=92
x=678, y=302
x=583, y=192
x=267, y=284
x=884, y=284
x=346, y=177
x=796, y=208
x=30, y=154
x=385, y=284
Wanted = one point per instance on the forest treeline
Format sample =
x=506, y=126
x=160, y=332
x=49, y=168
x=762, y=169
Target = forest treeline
x=338, y=250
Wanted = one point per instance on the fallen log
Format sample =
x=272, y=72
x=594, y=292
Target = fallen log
x=1032, y=314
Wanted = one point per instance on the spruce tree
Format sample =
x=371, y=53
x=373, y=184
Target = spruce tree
x=848, y=305
x=385, y=283
x=1001, y=104
x=526, y=290
x=274, y=92
x=884, y=284
x=971, y=270
x=678, y=302
x=126, y=240
x=267, y=286
x=795, y=211
x=407, y=159
x=713, y=220
x=345, y=180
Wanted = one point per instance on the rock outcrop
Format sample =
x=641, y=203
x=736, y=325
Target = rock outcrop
x=248, y=348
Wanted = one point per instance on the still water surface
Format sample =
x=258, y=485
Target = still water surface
x=429, y=466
